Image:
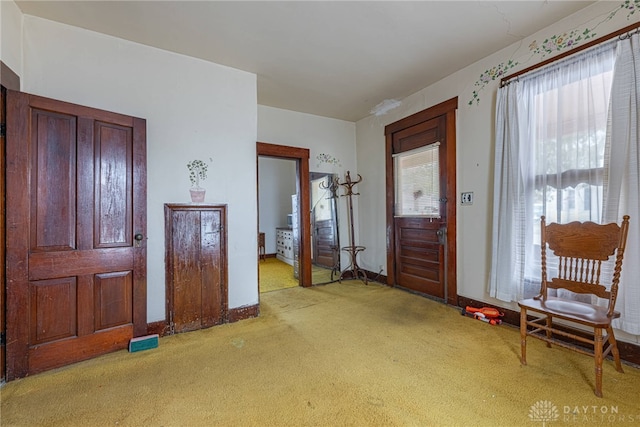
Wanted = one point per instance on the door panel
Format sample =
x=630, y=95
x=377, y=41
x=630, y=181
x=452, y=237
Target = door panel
x=419, y=256
x=112, y=188
x=421, y=249
x=53, y=309
x=53, y=174
x=187, y=290
x=113, y=299
x=76, y=196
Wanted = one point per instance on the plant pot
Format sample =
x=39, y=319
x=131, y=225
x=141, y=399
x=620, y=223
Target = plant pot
x=197, y=195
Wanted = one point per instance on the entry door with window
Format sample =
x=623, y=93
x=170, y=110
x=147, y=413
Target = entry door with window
x=421, y=202
x=76, y=225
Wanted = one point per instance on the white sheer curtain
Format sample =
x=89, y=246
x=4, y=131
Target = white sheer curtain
x=550, y=139
x=622, y=181
x=512, y=209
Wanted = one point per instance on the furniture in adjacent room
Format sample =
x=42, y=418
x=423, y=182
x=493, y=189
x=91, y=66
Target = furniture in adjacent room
x=589, y=261
x=261, y=247
x=196, y=266
x=284, y=245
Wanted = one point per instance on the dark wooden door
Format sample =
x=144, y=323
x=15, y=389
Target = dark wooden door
x=76, y=201
x=196, y=266
x=421, y=253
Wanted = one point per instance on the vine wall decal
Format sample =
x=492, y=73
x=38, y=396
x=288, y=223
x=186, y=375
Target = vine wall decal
x=554, y=44
x=326, y=158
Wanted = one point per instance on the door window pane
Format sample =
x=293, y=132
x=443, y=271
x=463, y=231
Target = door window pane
x=417, y=181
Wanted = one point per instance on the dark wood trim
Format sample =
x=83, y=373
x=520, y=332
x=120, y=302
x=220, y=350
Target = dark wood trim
x=389, y=206
x=575, y=50
x=372, y=276
x=160, y=327
x=17, y=244
x=629, y=352
x=3, y=244
x=452, y=235
x=510, y=317
x=446, y=109
x=8, y=78
x=244, y=312
x=422, y=116
x=301, y=156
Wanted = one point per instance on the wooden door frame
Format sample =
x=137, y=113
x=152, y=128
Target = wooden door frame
x=8, y=80
x=301, y=157
x=448, y=110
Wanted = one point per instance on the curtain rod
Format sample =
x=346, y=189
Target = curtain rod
x=622, y=33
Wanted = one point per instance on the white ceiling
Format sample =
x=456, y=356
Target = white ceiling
x=330, y=58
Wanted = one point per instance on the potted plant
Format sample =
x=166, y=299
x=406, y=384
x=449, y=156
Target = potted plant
x=197, y=172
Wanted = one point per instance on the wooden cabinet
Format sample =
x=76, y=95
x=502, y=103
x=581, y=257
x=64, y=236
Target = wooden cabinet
x=284, y=245
x=196, y=266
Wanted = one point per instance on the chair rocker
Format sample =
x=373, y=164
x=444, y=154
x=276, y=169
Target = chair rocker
x=581, y=249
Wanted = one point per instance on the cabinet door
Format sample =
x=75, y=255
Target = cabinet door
x=196, y=267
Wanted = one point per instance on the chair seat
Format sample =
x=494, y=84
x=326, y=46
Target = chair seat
x=575, y=311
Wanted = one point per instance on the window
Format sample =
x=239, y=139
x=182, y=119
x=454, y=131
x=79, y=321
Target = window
x=418, y=182
x=551, y=132
x=570, y=131
x=567, y=147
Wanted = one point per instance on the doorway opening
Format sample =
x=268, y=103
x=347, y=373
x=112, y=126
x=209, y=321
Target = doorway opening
x=295, y=226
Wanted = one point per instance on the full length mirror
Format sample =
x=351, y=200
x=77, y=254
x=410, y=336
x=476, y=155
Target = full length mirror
x=325, y=241
x=278, y=214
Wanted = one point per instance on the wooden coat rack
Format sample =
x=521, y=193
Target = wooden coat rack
x=354, y=271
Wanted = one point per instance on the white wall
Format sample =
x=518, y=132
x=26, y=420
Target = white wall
x=331, y=145
x=276, y=184
x=11, y=36
x=475, y=150
x=194, y=109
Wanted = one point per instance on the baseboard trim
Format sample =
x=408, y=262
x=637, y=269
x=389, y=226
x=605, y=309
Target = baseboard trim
x=629, y=352
x=244, y=312
x=371, y=276
x=160, y=327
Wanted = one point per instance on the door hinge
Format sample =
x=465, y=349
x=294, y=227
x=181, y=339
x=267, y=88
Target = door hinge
x=3, y=130
x=3, y=337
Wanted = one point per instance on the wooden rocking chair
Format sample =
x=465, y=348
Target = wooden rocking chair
x=581, y=249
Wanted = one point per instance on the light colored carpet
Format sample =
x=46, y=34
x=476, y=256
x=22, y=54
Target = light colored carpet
x=275, y=275
x=343, y=354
